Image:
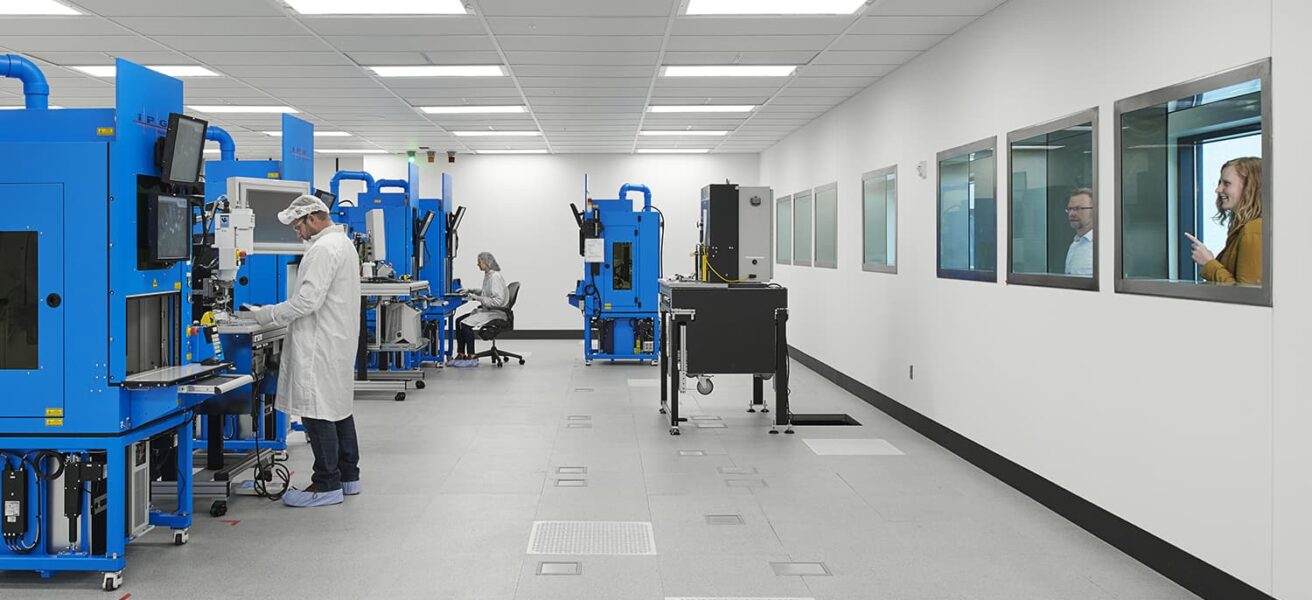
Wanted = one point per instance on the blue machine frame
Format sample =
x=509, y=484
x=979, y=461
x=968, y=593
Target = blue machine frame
x=405, y=247
x=77, y=177
x=618, y=294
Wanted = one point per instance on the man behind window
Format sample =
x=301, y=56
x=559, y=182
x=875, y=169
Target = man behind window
x=1079, y=212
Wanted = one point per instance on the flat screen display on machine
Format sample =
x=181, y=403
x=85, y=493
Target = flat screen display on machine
x=270, y=233
x=183, y=147
x=170, y=239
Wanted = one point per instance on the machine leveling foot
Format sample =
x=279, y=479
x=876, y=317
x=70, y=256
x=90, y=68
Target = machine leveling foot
x=674, y=430
x=112, y=581
x=181, y=536
x=751, y=410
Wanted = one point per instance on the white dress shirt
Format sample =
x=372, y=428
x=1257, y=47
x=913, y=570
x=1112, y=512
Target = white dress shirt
x=1079, y=257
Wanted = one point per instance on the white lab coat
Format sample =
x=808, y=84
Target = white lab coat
x=315, y=379
x=494, y=297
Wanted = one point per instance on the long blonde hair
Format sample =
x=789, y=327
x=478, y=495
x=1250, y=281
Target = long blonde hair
x=1250, y=205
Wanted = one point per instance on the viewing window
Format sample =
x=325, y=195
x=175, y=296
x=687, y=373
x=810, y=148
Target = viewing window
x=1053, y=203
x=968, y=212
x=879, y=220
x=826, y=226
x=783, y=209
x=1192, y=189
x=802, y=228
x=18, y=300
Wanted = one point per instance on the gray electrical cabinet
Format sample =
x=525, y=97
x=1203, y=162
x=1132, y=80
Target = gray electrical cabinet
x=737, y=227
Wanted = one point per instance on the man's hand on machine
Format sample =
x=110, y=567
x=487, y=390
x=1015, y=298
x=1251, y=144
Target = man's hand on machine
x=259, y=314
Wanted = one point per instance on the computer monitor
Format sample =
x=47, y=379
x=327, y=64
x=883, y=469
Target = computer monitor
x=183, y=152
x=328, y=198
x=168, y=235
x=266, y=198
x=425, y=222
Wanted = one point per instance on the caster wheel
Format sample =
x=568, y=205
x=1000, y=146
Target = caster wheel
x=500, y=364
x=655, y=363
x=521, y=361
x=674, y=431
x=219, y=508
x=587, y=363
x=400, y=397
x=419, y=385
x=280, y=455
x=181, y=536
x=705, y=387
x=112, y=581
x=663, y=411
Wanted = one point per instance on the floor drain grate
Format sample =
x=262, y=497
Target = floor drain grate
x=603, y=538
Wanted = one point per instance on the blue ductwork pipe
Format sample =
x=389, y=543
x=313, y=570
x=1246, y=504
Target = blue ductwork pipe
x=637, y=187
x=335, y=185
x=36, y=90
x=384, y=183
x=227, y=149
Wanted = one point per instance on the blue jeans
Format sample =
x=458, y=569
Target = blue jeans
x=336, y=452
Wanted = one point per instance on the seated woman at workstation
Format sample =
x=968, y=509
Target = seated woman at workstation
x=492, y=298
x=1239, y=205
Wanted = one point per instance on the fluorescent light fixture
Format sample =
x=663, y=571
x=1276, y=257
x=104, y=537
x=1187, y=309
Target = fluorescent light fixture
x=471, y=110
x=730, y=71
x=239, y=108
x=350, y=151
x=378, y=7
x=681, y=133
x=212, y=151
x=36, y=7
x=316, y=133
x=673, y=150
x=439, y=71
x=512, y=152
x=774, y=7
x=701, y=108
x=170, y=70
x=51, y=107
x=496, y=133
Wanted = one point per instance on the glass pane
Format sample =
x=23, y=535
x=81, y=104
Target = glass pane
x=984, y=212
x=826, y=226
x=874, y=193
x=1052, y=203
x=802, y=229
x=968, y=213
x=18, y=300
x=622, y=266
x=1172, y=157
x=784, y=236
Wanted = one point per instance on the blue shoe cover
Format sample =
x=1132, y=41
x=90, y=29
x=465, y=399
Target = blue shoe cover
x=304, y=499
x=351, y=488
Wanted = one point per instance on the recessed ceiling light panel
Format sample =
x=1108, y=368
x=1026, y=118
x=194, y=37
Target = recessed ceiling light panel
x=729, y=70
x=701, y=108
x=673, y=150
x=36, y=7
x=774, y=7
x=170, y=70
x=699, y=133
x=378, y=7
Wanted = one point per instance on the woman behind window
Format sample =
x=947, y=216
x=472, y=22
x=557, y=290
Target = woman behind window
x=1239, y=205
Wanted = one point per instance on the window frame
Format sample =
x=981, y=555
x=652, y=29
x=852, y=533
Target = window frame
x=789, y=201
x=1070, y=282
x=811, y=229
x=991, y=276
x=897, y=239
x=1188, y=290
x=815, y=226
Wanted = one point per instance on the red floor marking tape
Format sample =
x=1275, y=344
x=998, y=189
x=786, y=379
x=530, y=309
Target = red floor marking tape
x=230, y=523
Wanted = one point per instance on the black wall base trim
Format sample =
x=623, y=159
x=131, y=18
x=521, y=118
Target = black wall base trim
x=1177, y=565
x=542, y=334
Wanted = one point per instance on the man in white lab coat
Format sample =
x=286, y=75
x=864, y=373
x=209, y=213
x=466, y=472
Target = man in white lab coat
x=315, y=376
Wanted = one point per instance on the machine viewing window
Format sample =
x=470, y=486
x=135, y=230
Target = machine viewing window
x=184, y=146
x=967, y=212
x=783, y=209
x=1193, y=185
x=802, y=219
x=621, y=265
x=18, y=300
x=169, y=238
x=1052, y=207
x=826, y=226
x=879, y=220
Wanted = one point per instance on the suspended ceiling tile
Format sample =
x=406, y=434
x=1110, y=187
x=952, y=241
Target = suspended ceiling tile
x=590, y=26
x=414, y=43
x=224, y=59
x=152, y=8
x=751, y=26
x=941, y=7
x=918, y=43
x=745, y=43
x=575, y=8
x=939, y=25
x=617, y=73
x=56, y=26
x=581, y=58
x=560, y=43
x=436, y=25
x=287, y=71
x=739, y=58
x=87, y=43
x=222, y=26
x=263, y=43
x=154, y=57
x=883, y=57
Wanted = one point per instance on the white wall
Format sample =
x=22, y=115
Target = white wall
x=518, y=209
x=1186, y=418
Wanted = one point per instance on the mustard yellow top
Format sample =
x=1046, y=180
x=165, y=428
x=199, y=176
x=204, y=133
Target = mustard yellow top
x=1241, y=259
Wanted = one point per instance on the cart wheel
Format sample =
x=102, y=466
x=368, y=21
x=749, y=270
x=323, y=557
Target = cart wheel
x=587, y=363
x=400, y=397
x=219, y=508
x=181, y=536
x=655, y=363
x=112, y=581
x=521, y=361
x=674, y=431
x=419, y=385
x=280, y=455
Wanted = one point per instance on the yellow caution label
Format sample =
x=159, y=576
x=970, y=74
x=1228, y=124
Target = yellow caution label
x=54, y=412
x=104, y=131
x=207, y=319
x=606, y=306
x=177, y=285
x=188, y=357
x=378, y=201
x=275, y=175
x=154, y=283
x=54, y=422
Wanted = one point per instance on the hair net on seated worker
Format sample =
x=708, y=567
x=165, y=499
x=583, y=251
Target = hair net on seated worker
x=301, y=206
x=489, y=260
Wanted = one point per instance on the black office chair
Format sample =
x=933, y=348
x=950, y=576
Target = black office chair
x=495, y=327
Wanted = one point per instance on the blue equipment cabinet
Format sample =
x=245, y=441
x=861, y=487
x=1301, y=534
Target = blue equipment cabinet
x=618, y=295
x=94, y=332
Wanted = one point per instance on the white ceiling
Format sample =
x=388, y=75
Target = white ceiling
x=587, y=69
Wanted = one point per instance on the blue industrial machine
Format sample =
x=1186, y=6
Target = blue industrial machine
x=95, y=229
x=621, y=250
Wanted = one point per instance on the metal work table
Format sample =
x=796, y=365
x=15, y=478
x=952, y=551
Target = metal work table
x=720, y=328
x=391, y=380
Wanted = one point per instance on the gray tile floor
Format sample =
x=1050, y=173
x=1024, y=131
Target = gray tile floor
x=456, y=476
